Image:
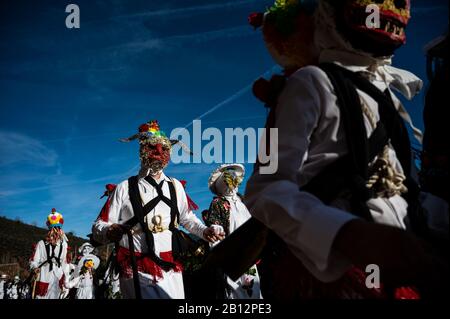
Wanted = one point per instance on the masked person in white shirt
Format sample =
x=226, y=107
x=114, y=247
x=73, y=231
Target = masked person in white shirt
x=342, y=196
x=49, y=260
x=83, y=277
x=3, y=284
x=13, y=289
x=143, y=218
x=228, y=211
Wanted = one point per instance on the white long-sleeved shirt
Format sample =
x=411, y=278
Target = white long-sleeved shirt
x=40, y=256
x=310, y=137
x=121, y=211
x=239, y=214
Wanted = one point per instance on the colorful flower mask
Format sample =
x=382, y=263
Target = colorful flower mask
x=288, y=30
x=55, y=219
x=382, y=40
x=226, y=179
x=232, y=179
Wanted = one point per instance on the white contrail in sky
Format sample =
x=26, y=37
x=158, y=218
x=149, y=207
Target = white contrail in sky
x=230, y=99
x=133, y=170
x=198, y=37
x=233, y=97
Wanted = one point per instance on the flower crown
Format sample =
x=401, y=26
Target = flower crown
x=282, y=14
x=150, y=133
x=151, y=128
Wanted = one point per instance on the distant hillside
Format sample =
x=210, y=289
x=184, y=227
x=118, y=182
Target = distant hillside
x=16, y=242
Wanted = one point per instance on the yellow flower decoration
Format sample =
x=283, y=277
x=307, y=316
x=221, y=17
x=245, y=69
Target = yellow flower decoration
x=89, y=264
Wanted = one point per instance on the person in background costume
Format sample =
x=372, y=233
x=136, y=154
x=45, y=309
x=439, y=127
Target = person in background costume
x=86, y=249
x=13, y=289
x=111, y=280
x=25, y=291
x=143, y=217
x=3, y=284
x=83, y=276
x=49, y=260
x=110, y=284
x=343, y=195
x=228, y=211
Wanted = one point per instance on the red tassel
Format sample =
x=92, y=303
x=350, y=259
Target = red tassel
x=406, y=293
x=41, y=288
x=104, y=213
x=191, y=204
x=34, y=251
x=69, y=254
x=61, y=282
x=109, y=189
x=145, y=264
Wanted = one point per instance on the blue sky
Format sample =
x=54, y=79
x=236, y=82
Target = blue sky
x=66, y=96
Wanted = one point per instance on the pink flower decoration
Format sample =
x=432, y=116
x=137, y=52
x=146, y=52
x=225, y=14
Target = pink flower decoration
x=54, y=217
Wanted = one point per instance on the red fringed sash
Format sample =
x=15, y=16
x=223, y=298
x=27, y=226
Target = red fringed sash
x=144, y=264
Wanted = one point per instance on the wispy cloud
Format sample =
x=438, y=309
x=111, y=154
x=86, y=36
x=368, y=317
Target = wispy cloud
x=189, y=10
x=180, y=39
x=58, y=184
x=17, y=148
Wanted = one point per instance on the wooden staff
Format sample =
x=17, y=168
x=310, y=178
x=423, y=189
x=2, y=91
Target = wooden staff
x=35, y=280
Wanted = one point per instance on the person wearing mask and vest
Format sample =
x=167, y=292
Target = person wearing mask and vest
x=143, y=218
x=48, y=261
x=343, y=197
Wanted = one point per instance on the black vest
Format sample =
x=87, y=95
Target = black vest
x=50, y=252
x=350, y=172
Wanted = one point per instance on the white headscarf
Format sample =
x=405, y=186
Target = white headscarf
x=333, y=47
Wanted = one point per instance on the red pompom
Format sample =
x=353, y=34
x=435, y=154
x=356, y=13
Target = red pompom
x=144, y=128
x=53, y=210
x=110, y=187
x=261, y=89
x=268, y=91
x=256, y=19
x=191, y=204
